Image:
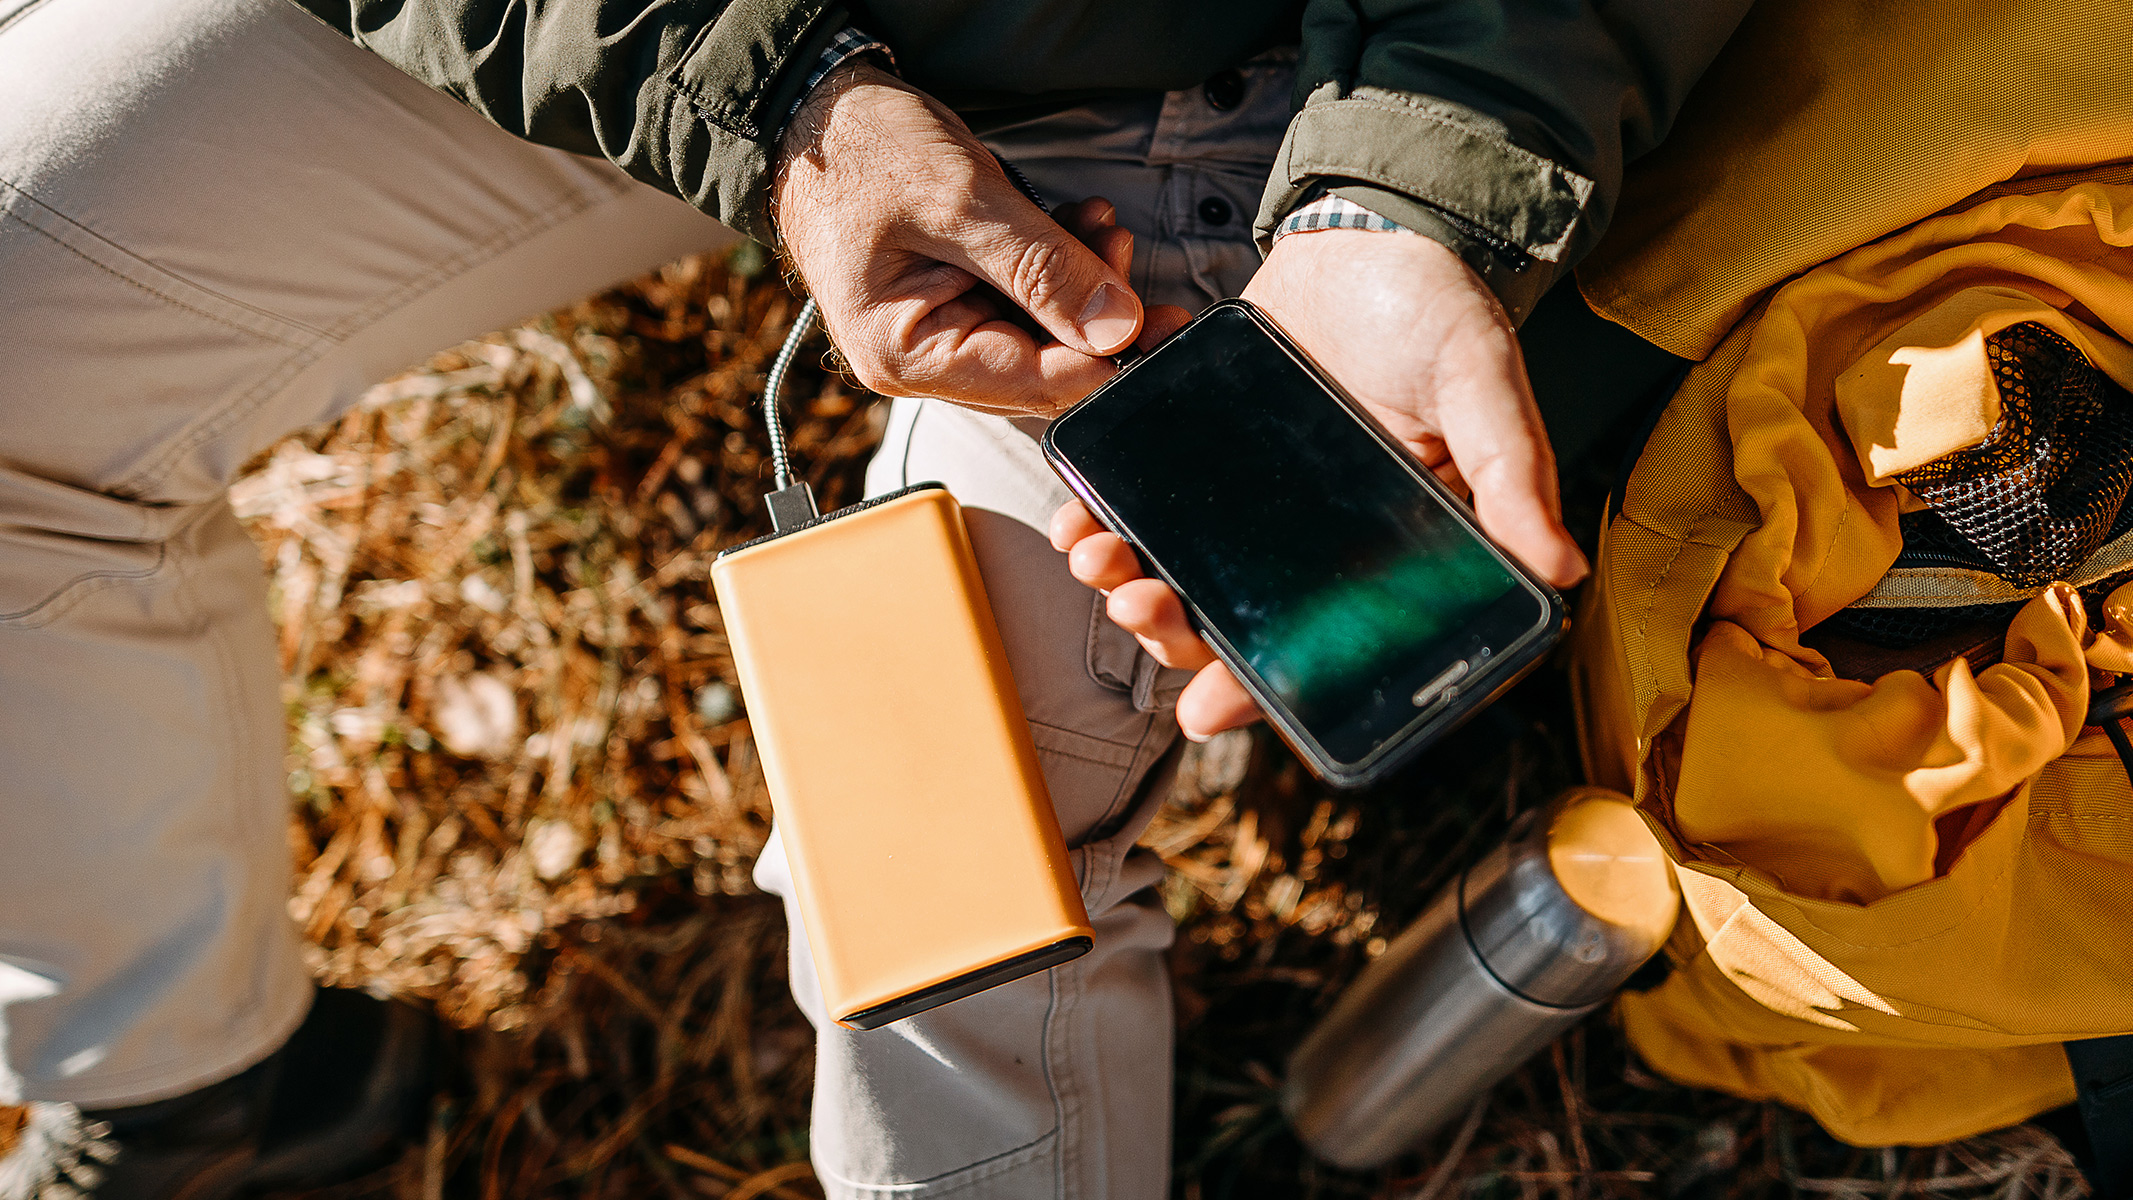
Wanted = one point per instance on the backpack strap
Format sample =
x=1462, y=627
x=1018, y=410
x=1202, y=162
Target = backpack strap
x=2103, y=1084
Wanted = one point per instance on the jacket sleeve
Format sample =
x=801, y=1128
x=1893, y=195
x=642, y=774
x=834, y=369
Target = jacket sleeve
x=686, y=95
x=1499, y=127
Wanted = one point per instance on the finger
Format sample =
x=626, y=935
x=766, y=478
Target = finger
x=1083, y=218
x=1151, y=612
x=1087, y=218
x=1429, y=449
x=959, y=350
x=1162, y=321
x=1072, y=523
x=1103, y=561
x=1095, y=222
x=1495, y=437
x=1045, y=269
x=1115, y=247
x=1447, y=473
x=1212, y=702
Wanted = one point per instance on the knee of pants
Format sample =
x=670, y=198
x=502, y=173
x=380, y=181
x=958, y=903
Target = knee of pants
x=145, y=866
x=1055, y=1079
x=156, y=337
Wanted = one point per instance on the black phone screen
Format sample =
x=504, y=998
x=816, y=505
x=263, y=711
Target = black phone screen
x=1344, y=582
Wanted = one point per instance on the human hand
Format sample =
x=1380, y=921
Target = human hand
x=1420, y=341
x=928, y=263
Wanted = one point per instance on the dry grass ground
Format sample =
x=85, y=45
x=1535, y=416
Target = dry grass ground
x=523, y=792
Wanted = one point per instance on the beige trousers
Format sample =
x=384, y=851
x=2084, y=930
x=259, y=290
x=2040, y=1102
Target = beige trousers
x=219, y=222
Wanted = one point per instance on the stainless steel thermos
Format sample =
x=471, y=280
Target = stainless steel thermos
x=1524, y=943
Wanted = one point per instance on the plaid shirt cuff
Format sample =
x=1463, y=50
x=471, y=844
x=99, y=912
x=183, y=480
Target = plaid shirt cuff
x=1332, y=212
x=848, y=44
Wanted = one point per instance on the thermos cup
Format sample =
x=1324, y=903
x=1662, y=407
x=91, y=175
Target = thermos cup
x=1513, y=953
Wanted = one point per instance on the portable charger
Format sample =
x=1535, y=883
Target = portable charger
x=927, y=861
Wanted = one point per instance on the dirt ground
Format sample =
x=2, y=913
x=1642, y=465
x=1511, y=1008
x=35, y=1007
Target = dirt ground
x=523, y=793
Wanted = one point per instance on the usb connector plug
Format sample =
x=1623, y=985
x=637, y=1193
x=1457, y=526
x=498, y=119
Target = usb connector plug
x=791, y=507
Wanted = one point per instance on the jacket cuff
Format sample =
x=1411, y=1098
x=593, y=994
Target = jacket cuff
x=1518, y=279
x=744, y=74
x=844, y=45
x=1442, y=170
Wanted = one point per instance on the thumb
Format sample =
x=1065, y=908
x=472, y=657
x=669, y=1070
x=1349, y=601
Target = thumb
x=1048, y=273
x=1507, y=463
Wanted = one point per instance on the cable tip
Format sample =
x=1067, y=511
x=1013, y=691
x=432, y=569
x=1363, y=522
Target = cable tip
x=791, y=507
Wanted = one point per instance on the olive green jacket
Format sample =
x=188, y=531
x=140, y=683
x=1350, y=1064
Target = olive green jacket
x=1499, y=127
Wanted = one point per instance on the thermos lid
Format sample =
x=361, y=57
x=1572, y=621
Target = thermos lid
x=1607, y=860
x=1575, y=902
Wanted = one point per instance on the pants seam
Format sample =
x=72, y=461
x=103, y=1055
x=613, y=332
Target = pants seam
x=186, y=596
x=1066, y=1100
x=1129, y=749
x=131, y=281
x=910, y=440
x=218, y=422
x=992, y=1165
x=1061, y=1107
x=1138, y=773
x=60, y=601
x=1131, y=777
x=239, y=822
x=18, y=14
x=1093, y=761
x=957, y=1180
x=984, y=1169
x=579, y=201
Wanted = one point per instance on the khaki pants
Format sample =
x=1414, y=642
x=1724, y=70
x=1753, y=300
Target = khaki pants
x=219, y=222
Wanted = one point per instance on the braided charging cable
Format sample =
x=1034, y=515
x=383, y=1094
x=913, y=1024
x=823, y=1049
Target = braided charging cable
x=774, y=393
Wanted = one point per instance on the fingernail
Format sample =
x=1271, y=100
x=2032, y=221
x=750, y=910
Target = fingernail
x=1109, y=320
x=1190, y=736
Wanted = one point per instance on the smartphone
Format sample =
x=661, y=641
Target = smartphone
x=1352, y=594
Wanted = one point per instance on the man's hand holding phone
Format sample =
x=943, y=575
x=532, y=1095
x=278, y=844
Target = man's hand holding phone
x=1418, y=340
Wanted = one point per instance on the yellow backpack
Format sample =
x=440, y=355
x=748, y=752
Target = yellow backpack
x=1902, y=892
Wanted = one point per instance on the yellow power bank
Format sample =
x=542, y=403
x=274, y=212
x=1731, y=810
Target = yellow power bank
x=927, y=861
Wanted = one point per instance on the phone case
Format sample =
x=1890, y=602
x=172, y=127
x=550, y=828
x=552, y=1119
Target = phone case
x=1472, y=693
x=927, y=860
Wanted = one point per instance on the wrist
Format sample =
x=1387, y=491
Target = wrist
x=1516, y=278
x=1371, y=258
x=808, y=143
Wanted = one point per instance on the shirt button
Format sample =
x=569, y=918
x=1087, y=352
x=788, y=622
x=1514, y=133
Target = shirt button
x=1215, y=211
x=1224, y=90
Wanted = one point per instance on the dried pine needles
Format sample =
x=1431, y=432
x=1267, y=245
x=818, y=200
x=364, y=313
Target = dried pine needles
x=524, y=788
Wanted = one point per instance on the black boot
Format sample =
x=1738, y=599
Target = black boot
x=333, y=1102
